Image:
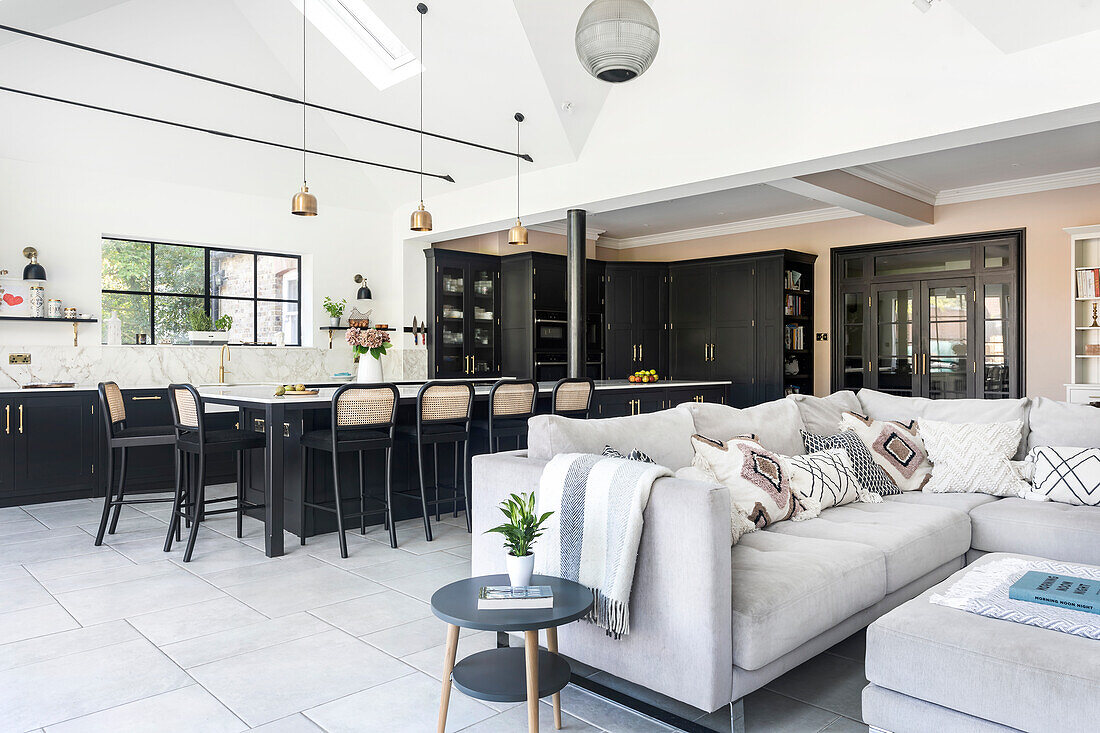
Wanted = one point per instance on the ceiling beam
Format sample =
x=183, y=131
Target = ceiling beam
x=840, y=188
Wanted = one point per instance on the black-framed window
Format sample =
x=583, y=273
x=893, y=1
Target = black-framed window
x=153, y=286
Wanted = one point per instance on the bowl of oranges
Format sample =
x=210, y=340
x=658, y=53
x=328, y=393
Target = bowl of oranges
x=643, y=377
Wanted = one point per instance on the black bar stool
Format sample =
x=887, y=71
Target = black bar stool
x=573, y=397
x=363, y=419
x=443, y=412
x=511, y=405
x=121, y=437
x=193, y=443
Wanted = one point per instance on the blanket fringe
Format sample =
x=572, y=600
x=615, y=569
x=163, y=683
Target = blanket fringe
x=610, y=615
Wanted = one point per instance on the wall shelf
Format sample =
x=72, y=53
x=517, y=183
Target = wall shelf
x=330, y=329
x=74, y=321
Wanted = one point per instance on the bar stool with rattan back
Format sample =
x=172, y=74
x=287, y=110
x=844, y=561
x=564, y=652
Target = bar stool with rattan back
x=511, y=405
x=363, y=419
x=443, y=411
x=193, y=444
x=120, y=437
x=573, y=397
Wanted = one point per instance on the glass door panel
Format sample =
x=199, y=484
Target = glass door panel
x=854, y=364
x=995, y=327
x=484, y=317
x=894, y=360
x=947, y=365
x=452, y=356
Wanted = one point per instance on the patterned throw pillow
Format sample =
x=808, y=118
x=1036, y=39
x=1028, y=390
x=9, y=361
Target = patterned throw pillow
x=895, y=446
x=634, y=455
x=827, y=478
x=1066, y=475
x=871, y=477
x=973, y=457
x=757, y=479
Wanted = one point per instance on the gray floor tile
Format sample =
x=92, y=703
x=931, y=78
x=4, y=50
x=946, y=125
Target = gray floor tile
x=135, y=597
x=272, y=569
x=403, y=564
x=854, y=647
x=128, y=525
x=605, y=715
x=444, y=537
x=271, y=683
x=20, y=525
x=844, y=725
x=362, y=552
x=62, y=644
x=646, y=695
x=151, y=548
x=117, y=573
x=132, y=541
x=372, y=613
x=768, y=712
x=184, y=710
x=53, y=569
x=59, y=514
x=198, y=619
x=49, y=548
x=20, y=593
x=415, y=636
x=419, y=708
x=12, y=514
x=303, y=590
x=58, y=689
x=423, y=585
x=463, y=552
x=209, y=559
x=37, y=621
x=243, y=639
x=9, y=572
x=826, y=681
x=296, y=723
x=514, y=720
x=39, y=533
x=430, y=661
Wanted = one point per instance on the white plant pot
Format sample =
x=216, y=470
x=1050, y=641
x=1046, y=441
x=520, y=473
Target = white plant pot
x=370, y=370
x=212, y=338
x=520, y=569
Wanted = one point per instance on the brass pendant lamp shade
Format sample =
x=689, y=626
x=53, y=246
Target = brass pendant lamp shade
x=304, y=203
x=517, y=235
x=421, y=219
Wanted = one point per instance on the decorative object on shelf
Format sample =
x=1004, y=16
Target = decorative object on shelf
x=114, y=330
x=204, y=330
x=53, y=308
x=280, y=339
x=617, y=40
x=790, y=366
x=1092, y=349
x=364, y=292
x=1094, y=322
x=421, y=219
x=69, y=312
x=517, y=235
x=304, y=203
x=370, y=342
x=141, y=339
x=33, y=271
x=523, y=527
x=335, y=309
x=359, y=319
x=37, y=299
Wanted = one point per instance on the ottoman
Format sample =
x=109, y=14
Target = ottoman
x=936, y=668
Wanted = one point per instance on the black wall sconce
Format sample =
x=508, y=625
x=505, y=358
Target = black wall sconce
x=364, y=291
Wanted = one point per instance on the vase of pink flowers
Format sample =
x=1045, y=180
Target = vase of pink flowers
x=369, y=345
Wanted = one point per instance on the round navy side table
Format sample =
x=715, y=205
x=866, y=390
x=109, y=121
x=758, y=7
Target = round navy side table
x=508, y=674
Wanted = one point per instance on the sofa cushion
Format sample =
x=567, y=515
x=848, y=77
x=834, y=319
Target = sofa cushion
x=1017, y=675
x=664, y=436
x=972, y=457
x=870, y=474
x=896, y=447
x=827, y=477
x=1066, y=475
x=958, y=502
x=788, y=590
x=1062, y=424
x=914, y=538
x=776, y=424
x=882, y=406
x=821, y=415
x=1047, y=529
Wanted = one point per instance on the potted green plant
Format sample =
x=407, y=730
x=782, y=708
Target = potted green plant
x=523, y=527
x=205, y=330
x=335, y=309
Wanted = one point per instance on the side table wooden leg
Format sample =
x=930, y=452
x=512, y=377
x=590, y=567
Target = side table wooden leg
x=552, y=645
x=531, y=653
x=448, y=667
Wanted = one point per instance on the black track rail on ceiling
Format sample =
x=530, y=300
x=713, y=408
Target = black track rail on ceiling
x=253, y=90
x=220, y=133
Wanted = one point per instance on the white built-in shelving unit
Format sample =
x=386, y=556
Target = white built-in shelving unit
x=1084, y=386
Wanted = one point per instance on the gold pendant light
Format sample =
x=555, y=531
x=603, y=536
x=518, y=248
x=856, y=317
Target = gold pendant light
x=421, y=220
x=517, y=235
x=304, y=203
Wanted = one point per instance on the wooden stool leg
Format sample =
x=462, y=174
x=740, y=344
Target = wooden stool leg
x=531, y=653
x=448, y=667
x=552, y=645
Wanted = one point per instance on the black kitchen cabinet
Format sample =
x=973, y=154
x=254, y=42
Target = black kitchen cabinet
x=7, y=447
x=636, y=315
x=52, y=441
x=678, y=395
x=464, y=308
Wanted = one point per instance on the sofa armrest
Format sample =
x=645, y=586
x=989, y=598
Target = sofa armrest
x=680, y=607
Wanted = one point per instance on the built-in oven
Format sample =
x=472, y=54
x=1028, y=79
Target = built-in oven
x=550, y=366
x=550, y=332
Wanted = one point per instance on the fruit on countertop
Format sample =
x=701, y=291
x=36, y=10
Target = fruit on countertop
x=299, y=388
x=280, y=391
x=643, y=377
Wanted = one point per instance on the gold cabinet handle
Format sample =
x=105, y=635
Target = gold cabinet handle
x=706, y=352
x=21, y=419
x=641, y=353
x=138, y=399
x=712, y=352
x=7, y=419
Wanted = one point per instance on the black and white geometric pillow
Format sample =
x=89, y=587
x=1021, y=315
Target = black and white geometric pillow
x=826, y=477
x=635, y=455
x=870, y=474
x=1066, y=475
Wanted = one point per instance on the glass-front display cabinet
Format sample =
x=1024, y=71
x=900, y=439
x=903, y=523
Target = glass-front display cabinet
x=464, y=315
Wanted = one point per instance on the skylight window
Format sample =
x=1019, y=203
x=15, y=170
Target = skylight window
x=361, y=36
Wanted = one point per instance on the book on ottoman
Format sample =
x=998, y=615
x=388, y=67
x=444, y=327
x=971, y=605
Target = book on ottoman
x=1063, y=591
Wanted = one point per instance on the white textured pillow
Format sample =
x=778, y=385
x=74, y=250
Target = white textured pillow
x=973, y=458
x=1066, y=475
x=828, y=478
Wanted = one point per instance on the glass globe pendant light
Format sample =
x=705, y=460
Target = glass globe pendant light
x=304, y=203
x=518, y=234
x=421, y=220
x=617, y=40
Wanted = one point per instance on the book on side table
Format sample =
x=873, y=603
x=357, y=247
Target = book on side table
x=1063, y=591
x=506, y=597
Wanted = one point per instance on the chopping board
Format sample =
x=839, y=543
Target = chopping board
x=303, y=393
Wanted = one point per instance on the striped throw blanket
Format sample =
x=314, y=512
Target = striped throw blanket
x=592, y=537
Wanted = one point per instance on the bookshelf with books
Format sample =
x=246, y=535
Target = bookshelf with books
x=1084, y=385
x=798, y=326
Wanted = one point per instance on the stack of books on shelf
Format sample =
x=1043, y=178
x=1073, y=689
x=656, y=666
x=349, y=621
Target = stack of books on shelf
x=1088, y=283
x=792, y=280
x=794, y=337
x=792, y=305
x=508, y=597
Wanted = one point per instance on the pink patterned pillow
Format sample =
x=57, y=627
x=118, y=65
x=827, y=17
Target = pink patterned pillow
x=895, y=446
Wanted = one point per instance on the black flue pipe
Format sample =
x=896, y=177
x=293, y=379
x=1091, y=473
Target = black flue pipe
x=575, y=230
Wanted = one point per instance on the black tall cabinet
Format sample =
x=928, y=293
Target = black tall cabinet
x=636, y=318
x=464, y=308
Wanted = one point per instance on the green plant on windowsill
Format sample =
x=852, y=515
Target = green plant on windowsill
x=199, y=320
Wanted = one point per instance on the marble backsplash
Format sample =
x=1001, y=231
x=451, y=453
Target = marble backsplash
x=155, y=366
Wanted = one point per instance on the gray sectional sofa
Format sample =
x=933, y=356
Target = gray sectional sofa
x=711, y=623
